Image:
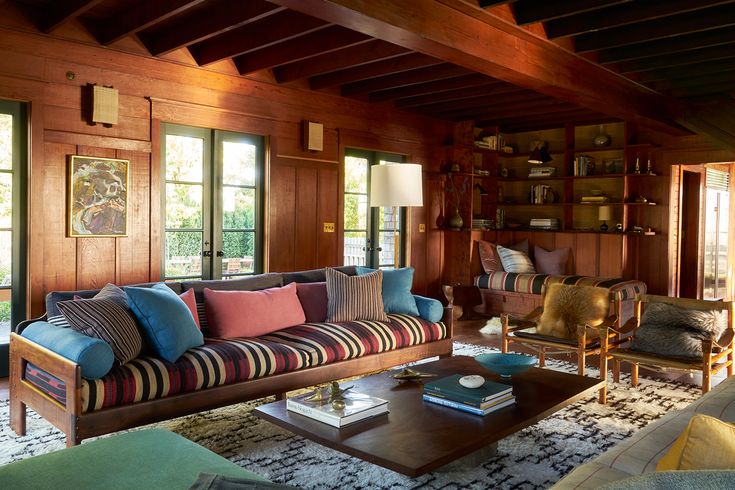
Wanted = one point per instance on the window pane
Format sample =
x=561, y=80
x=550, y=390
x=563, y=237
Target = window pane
x=184, y=158
x=6, y=255
x=356, y=174
x=239, y=250
x=356, y=210
x=183, y=206
x=6, y=200
x=238, y=163
x=355, y=242
x=238, y=207
x=6, y=141
x=183, y=253
x=387, y=245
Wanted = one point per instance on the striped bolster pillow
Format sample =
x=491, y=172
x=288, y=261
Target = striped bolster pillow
x=355, y=297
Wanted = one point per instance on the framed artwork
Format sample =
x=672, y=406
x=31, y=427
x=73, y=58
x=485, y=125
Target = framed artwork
x=98, y=197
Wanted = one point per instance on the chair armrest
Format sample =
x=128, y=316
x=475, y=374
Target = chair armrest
x=521, y=323
x=725, y=339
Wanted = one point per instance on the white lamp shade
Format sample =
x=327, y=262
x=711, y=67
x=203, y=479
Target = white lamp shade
x=604, y=213
x=396, y=184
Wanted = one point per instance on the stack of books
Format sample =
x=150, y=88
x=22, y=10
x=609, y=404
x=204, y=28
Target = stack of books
x=488, y=398
x=357, y=407
x=541, y=194
x=544, y=224
x=482, y=223
x=540, y=172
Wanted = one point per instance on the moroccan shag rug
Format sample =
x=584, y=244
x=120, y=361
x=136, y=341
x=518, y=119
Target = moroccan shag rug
x=537, y=457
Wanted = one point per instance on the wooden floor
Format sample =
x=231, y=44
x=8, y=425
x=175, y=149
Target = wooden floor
x=469, y=332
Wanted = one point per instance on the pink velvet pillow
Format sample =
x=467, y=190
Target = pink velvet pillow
x=252, y=313
x=190, y=300
x=489, y=257
x=313, y=297
x=554, y=262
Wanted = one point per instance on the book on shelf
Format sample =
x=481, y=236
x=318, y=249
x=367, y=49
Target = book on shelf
x=505, y=402
x=595, y=199
x=539, y=172
x=450, y=388
x=358, y=406
x=544, y=224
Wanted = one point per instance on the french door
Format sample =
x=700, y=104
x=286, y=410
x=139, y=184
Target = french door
x=212, y=203
x=13, y=157
x=368, y=231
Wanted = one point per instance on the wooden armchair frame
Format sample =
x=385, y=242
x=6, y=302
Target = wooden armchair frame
x=587, y=342
x=716, y=353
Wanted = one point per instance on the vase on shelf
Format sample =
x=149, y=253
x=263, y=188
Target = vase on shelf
x=455, y=221
x=602, y=138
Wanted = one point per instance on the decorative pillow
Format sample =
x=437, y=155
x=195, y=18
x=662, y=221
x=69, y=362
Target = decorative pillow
x=566, y=307
x=190, y=300
x=166, y=320
x=106, y=317
x=313, y=298
x=93, y=355
x=551, y=262
x=355, y=297
x=397, y=284
x=429, y=308
x=706, y=444
x=522, y=246
x=515, y=261
x=489, y=257
x=673, y=331
x=252, y=313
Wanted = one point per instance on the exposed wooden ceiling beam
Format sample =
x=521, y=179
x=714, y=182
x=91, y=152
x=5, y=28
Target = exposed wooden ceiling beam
x=532, y=125
x=695, y=80
x=411, y=77
x=707, y=68
x=398, y=64
x=620, y=15
x=673, y=25
x=433, y=87
x=471, y=37
x=59, y=13
x=574, y=114
x=273, y=29
x=135, y=18
x=501, y=101
x=541, y=109
x=351, y=56
x=678, y=59
x=668, y=45
x=488, y=89
x=326, y=40
x=221, y=16
x=530, y=11
x=712, y=116
x=711, y=89
x=492, y=3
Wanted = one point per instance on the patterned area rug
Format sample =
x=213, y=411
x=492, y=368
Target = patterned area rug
x=537, y=457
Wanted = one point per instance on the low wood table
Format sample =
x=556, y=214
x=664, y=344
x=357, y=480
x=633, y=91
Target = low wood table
x=417, y=437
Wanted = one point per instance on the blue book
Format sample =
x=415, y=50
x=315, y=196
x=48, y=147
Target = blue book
x=465, y=408
x=449, y=387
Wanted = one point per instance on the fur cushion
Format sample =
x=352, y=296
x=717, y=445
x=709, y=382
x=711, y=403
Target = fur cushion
x=566, y=307
x=673, y=331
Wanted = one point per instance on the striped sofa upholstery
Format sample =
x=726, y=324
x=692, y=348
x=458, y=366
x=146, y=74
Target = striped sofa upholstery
x=219, y=362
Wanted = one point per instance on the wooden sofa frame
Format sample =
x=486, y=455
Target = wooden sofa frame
x=78, y=426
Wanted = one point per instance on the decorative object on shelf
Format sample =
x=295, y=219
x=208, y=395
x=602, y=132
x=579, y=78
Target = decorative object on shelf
x=541, y=172
x=613, y=165
x=503, y=171
x=506, y=365
x=98, y=197
x=539, y=153
x=649, y=169
x=455, y=221
x=641, y=199
x=637, y=165
x=396, y=185
x=602, y=138
x=604, y=214
x=409, y=374
x=619, y=227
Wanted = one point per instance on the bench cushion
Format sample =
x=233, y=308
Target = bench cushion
x=512, y=282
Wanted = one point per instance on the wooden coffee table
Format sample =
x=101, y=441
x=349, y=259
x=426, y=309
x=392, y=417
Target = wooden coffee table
x=417, y=437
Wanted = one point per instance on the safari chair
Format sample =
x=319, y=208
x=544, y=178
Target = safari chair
x=585, y=333
x=716, y=353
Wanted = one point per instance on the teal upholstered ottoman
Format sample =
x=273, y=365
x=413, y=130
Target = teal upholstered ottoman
x=150, y=458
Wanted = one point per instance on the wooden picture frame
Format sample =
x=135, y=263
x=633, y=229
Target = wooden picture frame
x=98, y=197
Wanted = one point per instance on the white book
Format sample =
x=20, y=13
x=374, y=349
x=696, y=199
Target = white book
x=358, y=406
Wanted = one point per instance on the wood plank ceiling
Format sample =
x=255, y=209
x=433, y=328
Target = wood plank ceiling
x=625, y=54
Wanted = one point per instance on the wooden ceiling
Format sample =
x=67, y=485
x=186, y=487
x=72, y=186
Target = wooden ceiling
x=519, y=64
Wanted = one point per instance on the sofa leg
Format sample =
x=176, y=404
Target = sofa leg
x=17, y=415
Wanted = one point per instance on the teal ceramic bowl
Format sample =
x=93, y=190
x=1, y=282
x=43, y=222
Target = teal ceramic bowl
x=506, y=365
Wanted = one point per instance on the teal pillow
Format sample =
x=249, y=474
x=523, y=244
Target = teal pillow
x=93, y=355
x=429, y=308
x=397, y=283
x=165, y=319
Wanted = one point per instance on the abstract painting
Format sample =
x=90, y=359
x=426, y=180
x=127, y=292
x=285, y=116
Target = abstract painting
x=98, y=197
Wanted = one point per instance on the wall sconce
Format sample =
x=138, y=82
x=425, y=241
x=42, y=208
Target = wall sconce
x=313, y=136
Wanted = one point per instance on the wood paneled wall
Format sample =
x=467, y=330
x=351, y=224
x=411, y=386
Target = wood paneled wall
x=303, y=188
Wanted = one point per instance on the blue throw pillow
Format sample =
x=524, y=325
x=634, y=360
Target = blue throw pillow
x=93, y=355
x=397, y=283
x=429, y=308
x=165, y=320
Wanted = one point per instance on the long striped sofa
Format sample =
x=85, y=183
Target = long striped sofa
x=519, y=294
x=218, y=373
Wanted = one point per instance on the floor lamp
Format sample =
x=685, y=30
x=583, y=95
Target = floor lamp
x=396, y=185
